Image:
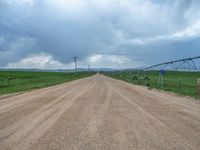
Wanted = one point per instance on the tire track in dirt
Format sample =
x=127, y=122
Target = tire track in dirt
x=161, y=97
x=103, y=113
x=131, y=139
x=23, y=122
x=91, y=129
x=74, y=120
x=167, y=111
x=38, y=126
x=28, y=108
x=19, y=100
x=154, y=124
x=111, y=134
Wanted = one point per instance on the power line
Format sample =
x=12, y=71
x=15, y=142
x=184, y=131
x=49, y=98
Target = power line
x=27, y=28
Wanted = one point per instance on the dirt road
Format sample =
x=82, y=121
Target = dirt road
x=99, y=113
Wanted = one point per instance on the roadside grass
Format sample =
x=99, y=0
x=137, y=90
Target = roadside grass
x=182, y=83
x=18, y=81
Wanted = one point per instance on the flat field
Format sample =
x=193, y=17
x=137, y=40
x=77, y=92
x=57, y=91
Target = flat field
x=17, y=81
x=99, y=113
x=183, y=83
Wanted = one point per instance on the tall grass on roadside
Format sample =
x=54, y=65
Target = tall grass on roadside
x=16, y=81
x=183, y=83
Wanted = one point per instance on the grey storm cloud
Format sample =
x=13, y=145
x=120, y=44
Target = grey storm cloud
x=114, y=33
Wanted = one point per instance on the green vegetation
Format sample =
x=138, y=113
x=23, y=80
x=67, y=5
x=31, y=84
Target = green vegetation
x=16, y=81
x=183, y=83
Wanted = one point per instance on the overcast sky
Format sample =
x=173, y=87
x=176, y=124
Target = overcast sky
x=102, y=33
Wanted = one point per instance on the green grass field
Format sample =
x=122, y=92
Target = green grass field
x=183, y=83
x=17, y=81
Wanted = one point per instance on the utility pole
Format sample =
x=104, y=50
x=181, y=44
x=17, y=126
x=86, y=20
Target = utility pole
x=88, y=68
x=75, y=58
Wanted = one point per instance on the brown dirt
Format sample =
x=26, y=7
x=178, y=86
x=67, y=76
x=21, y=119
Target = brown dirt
x=98, y=113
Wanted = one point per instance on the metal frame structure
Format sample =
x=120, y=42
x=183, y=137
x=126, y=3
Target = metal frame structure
x=187, y=64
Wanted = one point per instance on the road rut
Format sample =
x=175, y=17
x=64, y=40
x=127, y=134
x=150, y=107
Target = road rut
x=98, y=113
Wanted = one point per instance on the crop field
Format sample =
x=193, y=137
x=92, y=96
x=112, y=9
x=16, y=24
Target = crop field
x=16, y=81
x=183, y=83
x=98, y=113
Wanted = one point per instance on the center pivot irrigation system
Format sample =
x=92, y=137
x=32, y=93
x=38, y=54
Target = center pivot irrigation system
x=187, y=64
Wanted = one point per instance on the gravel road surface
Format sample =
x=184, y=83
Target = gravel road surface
x=98, y=113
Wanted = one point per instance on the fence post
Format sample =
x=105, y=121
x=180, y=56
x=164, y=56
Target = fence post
x=179, y=84
x=198, y=86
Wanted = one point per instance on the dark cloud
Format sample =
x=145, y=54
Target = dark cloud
x=137, y=32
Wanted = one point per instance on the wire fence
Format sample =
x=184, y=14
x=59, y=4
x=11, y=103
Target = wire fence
x=184, y=85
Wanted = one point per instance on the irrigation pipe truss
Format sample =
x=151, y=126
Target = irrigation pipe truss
x=189, y=64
